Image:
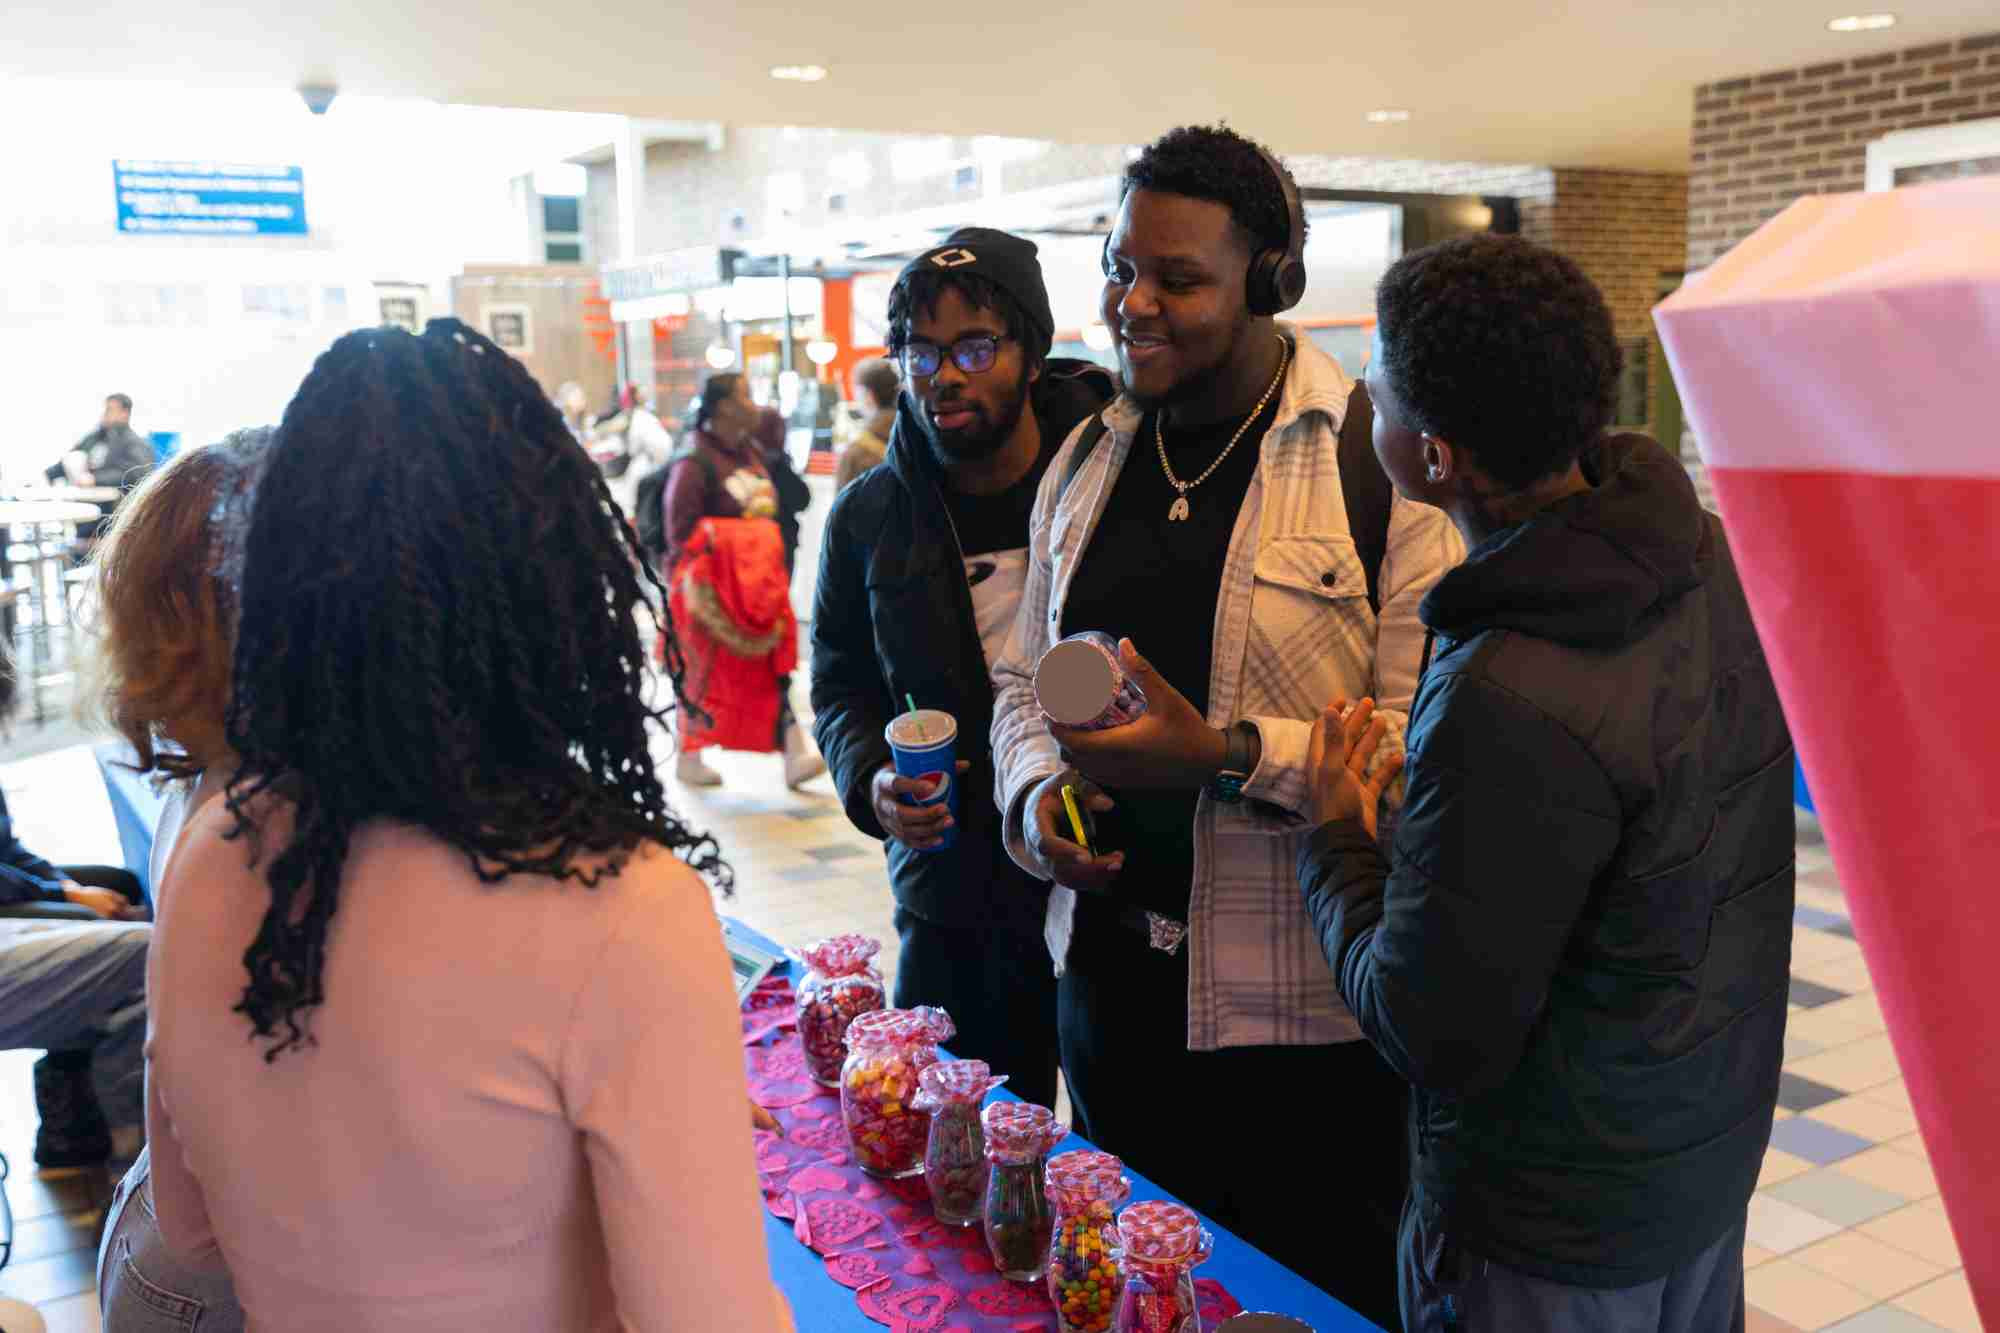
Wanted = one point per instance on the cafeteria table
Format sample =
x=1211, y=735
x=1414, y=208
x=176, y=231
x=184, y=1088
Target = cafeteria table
x=1260, y=1283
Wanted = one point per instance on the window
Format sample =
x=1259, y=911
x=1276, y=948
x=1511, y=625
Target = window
x=965, y=177
x=562, y=252
x=286, y=302
x=333, y=305
x=836, y=204
x=560, y=215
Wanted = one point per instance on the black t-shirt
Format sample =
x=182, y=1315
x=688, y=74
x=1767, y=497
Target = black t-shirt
x=993, y=537
x=1156, y=582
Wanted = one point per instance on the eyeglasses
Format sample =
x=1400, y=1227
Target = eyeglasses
x=973, y=354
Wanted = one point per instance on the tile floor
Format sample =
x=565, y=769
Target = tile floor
x=1847, y=1231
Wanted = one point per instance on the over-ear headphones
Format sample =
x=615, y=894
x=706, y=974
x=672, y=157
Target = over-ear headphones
x=1277, y=278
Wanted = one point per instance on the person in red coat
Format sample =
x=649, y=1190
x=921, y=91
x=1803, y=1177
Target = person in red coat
x=730, y=592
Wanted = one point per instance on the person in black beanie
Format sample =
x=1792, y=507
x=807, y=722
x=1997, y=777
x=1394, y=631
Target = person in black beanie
x=921, y=571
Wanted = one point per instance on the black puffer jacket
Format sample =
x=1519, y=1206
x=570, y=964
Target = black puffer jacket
x=1583, y=954
x=893, y=616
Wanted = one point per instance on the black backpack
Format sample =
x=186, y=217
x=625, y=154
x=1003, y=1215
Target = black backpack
x=651, y=501
x=1366, y=488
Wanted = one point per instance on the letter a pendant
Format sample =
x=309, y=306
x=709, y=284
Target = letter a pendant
x=1178, y=510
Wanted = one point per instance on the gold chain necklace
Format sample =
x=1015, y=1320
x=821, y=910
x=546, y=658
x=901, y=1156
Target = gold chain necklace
x=1178, y=511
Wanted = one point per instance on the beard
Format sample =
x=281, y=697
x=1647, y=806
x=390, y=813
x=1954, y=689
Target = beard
x=983, y=438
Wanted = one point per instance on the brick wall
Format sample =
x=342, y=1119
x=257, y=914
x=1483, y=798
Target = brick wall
x=1626, y=229
x=1763, y=141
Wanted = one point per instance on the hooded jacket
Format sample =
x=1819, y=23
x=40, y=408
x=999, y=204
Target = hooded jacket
x=1581, y=956
x=893, y=617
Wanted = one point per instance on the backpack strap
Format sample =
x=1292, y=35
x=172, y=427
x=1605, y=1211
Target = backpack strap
x=1367, y=490
x=1093, y=431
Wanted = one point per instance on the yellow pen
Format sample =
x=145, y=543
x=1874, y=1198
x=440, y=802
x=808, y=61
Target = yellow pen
x=1075, y=817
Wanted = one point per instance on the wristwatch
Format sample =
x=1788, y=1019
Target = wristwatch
x=1227, y=784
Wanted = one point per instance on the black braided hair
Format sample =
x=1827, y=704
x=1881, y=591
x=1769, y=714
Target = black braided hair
x=436, y=627
x=716, y=390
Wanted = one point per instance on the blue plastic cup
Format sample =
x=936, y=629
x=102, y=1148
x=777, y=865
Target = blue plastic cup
x=925, y=746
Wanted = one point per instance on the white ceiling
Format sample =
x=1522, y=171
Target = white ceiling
x=1579, y=83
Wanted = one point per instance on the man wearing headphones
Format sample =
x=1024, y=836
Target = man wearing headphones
x=1203, y=520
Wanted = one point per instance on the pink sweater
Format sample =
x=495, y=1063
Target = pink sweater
x=527, y=1108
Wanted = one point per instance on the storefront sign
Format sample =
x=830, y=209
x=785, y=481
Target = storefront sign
x=209, y=198
x=678, y=271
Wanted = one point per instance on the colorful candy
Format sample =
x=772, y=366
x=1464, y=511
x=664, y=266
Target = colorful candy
x=1018, y=1222
x=1086, y=1270
x=887, y=1051
x=1163, y=1243
x=955, y=1160
x=840, y=987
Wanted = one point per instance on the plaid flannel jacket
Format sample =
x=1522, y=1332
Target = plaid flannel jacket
x=1293, y=629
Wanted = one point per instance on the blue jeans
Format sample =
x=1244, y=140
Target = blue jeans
x=1445, y=1289
x=81, y=987
x=141, y=1288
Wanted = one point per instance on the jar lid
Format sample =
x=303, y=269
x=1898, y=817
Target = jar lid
x=955, y=1082
x=1159, y=1232
x=924, y=1025
x=1078, y=1179
x=842, y=955
x=1020, y=1131
x=1075, y=681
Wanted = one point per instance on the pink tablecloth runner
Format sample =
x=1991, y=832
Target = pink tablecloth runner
x=878, y=1238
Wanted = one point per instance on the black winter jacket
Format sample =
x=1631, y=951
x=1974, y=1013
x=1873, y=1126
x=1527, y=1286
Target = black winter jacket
x=1581, y=955
x=893, y=616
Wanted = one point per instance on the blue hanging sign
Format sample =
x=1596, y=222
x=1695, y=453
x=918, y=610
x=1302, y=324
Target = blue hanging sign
x=209, y=198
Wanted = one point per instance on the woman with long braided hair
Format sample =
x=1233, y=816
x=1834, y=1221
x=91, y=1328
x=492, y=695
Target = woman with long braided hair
x=447, y=1037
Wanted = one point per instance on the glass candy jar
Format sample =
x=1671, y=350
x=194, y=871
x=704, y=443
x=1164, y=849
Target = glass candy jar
x=886, y=1052
x=1086, y=1270
x=1162, y=1243
x=841, y=984
x=1018, y=1221
x=955, y=1160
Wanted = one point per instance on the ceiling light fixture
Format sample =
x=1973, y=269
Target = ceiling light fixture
x=799, y=73
x=1862, y=22
x=1388, y=116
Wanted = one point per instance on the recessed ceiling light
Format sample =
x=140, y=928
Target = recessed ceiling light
x=1862, y=22
x=799, y=73
x=1388, y=116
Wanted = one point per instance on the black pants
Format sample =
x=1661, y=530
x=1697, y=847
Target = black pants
x=1448, y=1290
x=116, y=878
x=1300, y=1150
x=998, y=986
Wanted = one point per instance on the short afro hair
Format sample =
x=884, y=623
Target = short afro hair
x=1502, y=347
x=1215, y=163
x=879, y=378
x=918, y=293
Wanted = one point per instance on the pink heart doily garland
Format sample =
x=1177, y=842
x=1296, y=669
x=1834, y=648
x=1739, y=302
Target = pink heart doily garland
x=879, y=1238
x=917, y=1309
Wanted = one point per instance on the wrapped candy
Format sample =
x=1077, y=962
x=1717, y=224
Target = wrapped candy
x=840, y=986
x=1086, y=1269
x=1081, y=683
x=1019, y=1136
x=955, y=1160
x=1163, y=1243
x=888, y=1050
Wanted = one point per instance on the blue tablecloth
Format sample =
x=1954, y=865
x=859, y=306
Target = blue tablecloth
x=820, y=1305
